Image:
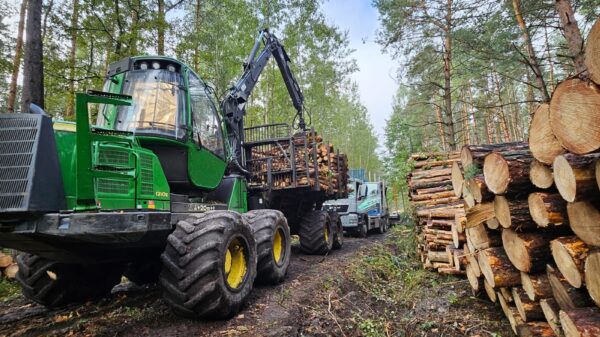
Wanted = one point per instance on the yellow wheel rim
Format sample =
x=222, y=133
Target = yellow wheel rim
x=326, y=232
x=278, y=243
x=235, y=264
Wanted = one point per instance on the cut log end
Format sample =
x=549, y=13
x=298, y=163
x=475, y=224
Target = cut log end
x=564, y=178
x=547, y=208
x=541, y=175
x=592, y=52
x=550, y=309
x=457, y=179
x=543, y=144
x=569, y=255
x=495, y=171
x=592, y=276
x=584, y=219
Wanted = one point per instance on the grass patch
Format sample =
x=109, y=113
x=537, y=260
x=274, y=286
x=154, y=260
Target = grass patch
x=8, y=289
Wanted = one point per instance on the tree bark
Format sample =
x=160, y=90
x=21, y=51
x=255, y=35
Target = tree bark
x=566, y=296
x=532, y=59
x=12, y=91
x=536, y=286
x=497, y=269
x=581, y=322
x=448, y=75
x=475, y=154
x=528, y=309
x=72, y=59
x=33, y=67
x=572, y=34
x=528, y=252
x=535, y=329
x=441, y=128
x=513, y=213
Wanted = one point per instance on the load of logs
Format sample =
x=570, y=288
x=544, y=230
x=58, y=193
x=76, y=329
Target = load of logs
x=8, y=266
x=302, y=160
x=532, y=214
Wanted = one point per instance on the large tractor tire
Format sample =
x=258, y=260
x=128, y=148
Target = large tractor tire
x=273, y=244
x=338, y=237
x=316, y=232
x=209, y=265
x=54, y=284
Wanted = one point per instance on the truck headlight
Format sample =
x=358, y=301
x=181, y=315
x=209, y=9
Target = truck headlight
x=352, y=218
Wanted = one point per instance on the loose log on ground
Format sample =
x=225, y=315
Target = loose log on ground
x=497, y=269
x=528, y=309
x=569, y=254
x=511, y=313
x=580, y=322
x=528, y=252
x=513, y=213
x=536, y=286
x=575, y=175
x=592, y=276
x=541, y=175
x=584, y=220
x=543, y=144
x=507, y=172
x=479, y=214
x=5, y=260
x=535, y=329
x=567, y=296
x=574, y=115
x=547, y=209
x=592, y=53
x=457, y=179
x=475, y=154
x=551, y=310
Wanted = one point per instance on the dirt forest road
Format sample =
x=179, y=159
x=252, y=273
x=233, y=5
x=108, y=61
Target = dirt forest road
x=133, y=311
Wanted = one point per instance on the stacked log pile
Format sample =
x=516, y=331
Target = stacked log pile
x=289, y=160
x=8, y=266
x=438, y=210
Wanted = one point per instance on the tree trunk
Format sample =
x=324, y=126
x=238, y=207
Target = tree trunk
x=72, y=60
x=566, y=296
x=547, y=209
x=440, y=123
x=508, y=172
x=528, y=252
x=536, y=286
x=196, y=58
x=12, y=91
x=497, y=269
x=549, y=56
x=528, y=309
x=592, y=276
x=160, y=29
x=581, y=322
x=466, y=122
x=532, y=59
x=572, y=34
x=575, y=176
x=551, y=309
x=541, y=175
x=574, y=115
x=592, y=50
x=33, y=67
x=448, y=77
x=134, y=30
x=502, y=115
x=569, y=254
x=513, y=213
x=543, y=144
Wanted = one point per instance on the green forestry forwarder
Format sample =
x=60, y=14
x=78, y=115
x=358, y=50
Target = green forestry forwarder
x=156, y=189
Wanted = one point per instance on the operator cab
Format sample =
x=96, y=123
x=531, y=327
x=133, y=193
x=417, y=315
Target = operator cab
x=174, y=114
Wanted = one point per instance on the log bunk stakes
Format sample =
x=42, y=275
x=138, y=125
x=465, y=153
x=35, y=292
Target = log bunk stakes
x=523, y=220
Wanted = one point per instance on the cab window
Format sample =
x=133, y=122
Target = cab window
x=205, y=120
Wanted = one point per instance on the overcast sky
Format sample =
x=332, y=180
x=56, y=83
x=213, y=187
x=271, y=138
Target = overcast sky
x=376, y=75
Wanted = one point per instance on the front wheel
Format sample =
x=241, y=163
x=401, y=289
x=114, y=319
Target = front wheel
x=338, y=237
x=316, y=232
x=209, y=265
x=362, y=229
x=273, y=244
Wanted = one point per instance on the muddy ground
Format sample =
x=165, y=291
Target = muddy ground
x=318, y=298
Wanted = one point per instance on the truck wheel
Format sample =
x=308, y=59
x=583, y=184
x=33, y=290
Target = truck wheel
x=316, y=232
x=54, y=284
x=209, y=265
x=143, y=271
x=362, y=229
x=338, y=238
x=273, y=244
x=382, y=226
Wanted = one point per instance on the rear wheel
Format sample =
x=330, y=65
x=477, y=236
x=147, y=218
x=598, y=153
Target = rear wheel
x=54, y=284
x=338, y=237
x=316, y=232
x=273, y=244
x=209, y=265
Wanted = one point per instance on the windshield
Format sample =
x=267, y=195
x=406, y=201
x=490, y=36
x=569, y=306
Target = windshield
x=158, y=103
x=373, y=189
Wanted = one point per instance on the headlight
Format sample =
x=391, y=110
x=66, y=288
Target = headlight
x=352, y=218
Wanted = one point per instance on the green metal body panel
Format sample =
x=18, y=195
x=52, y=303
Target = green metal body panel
x=239, y=201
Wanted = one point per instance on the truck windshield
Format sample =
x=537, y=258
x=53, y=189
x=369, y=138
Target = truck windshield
x=158, y=103
x=351, y=191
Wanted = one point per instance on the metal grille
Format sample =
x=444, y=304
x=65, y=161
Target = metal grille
x=116, y=186
x=17, y=140
x=113, y=157
x=147, y=185
x=267, y=132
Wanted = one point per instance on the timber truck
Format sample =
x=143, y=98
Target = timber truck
x=364, y=209
x=157, y=189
